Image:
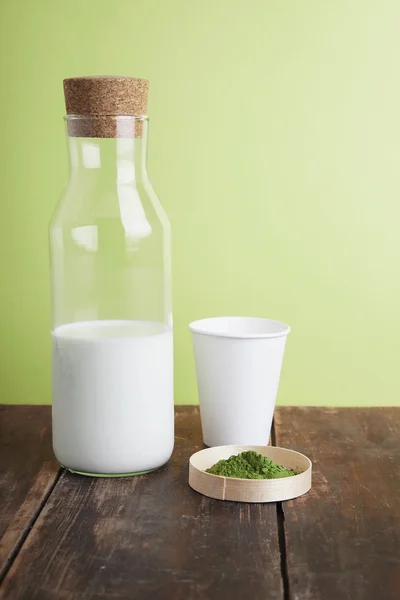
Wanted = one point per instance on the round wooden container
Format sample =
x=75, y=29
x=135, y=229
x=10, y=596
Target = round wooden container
x=250, y=490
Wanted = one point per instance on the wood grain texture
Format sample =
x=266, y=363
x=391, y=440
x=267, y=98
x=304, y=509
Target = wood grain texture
x=343, y=537
x=149, y=537
x=28, y=470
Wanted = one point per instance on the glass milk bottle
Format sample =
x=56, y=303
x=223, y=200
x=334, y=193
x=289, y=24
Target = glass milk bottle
x=111, y=289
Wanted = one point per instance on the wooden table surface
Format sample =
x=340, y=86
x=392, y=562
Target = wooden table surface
x=151, y=537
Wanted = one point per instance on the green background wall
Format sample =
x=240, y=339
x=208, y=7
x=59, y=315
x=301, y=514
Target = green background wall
x=275, y=148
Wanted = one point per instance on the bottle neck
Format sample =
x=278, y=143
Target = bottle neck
x=117, y=156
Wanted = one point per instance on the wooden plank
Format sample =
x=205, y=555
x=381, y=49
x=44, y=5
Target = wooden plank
x=28, y=471
x=343, y=538
x=148, y=537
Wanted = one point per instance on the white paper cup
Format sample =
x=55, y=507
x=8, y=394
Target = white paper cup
x=238, y=365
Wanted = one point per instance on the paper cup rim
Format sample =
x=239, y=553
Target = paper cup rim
x=240, y=327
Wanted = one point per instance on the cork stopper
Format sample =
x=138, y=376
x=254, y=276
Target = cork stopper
x=94, y=105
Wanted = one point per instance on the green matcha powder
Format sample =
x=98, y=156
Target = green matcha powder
x=250, y=465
